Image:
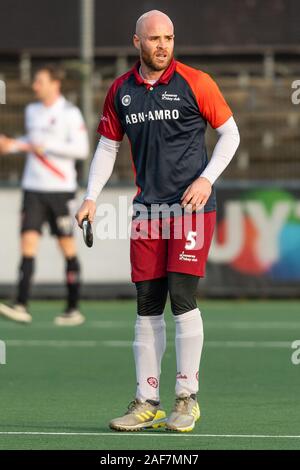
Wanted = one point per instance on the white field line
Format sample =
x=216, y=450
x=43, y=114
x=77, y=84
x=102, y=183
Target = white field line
x=146, y=434
x=215, y=344
x=113, y=324
x=126, y=344
x=38, y=325
x=52, y=343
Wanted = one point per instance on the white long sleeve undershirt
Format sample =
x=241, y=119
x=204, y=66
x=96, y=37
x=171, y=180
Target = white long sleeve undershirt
x=225, y=148
x=101, y=166
x=107, y=149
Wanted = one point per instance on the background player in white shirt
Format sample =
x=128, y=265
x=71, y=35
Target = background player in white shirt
x=55, y=138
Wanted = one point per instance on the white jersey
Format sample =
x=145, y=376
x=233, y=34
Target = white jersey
x=60, y=132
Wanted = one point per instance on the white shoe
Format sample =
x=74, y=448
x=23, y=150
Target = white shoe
x=16, y=312
x=70, y=318
x=140, y=415
x=185, y=413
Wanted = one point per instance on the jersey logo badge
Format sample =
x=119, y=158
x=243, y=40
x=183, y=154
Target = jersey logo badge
x=170, y=97
x=126, y=100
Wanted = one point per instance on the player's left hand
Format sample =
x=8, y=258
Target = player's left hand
x=196, y=194
x=36, y=148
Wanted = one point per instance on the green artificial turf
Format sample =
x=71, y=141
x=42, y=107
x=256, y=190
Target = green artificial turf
x=74, y=380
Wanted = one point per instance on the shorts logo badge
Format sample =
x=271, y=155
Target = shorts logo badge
x=185, y=257
x=126, y=100
x=153, y=382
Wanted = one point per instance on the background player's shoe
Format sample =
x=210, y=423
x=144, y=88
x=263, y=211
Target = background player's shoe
x=140, y=415
x=16, y=312
x=185, y=413
x=70, y=318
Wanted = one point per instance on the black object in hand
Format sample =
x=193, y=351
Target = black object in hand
x=87, y=232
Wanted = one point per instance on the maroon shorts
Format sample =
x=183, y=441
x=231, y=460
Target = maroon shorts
x=177, y=244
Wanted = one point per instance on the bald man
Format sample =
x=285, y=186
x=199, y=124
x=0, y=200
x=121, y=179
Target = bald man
x=164, y=106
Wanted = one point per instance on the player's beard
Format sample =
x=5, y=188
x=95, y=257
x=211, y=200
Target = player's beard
x=154, y=66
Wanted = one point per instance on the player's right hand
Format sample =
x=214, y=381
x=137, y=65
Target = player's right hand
x=86, y=210
x=4, y=144
x=8, y=145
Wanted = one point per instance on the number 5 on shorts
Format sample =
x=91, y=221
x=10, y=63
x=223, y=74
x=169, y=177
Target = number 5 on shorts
x=191, y=241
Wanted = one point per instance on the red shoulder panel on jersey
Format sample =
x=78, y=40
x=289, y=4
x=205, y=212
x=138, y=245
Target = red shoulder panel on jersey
x=211, y=102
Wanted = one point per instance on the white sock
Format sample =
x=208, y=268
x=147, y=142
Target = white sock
x=149, y=346
x=189, y=342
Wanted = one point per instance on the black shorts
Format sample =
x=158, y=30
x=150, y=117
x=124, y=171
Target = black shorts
x=54, y=208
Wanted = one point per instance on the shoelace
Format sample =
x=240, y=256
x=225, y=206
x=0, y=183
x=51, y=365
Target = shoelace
x=182, y=404
x=134, y=405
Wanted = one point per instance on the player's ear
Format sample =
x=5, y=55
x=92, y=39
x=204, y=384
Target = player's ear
x=136, y=41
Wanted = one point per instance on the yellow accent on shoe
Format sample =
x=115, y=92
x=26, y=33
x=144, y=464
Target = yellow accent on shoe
x=139, y=416
x=185, y=414
x=161, y=417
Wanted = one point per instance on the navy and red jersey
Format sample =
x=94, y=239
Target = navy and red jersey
x=165, y=124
